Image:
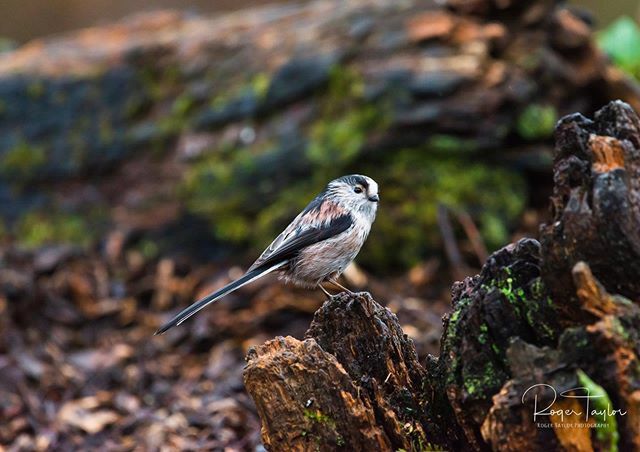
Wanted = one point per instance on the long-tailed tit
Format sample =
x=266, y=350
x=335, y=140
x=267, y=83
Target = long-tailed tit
x=316, y=247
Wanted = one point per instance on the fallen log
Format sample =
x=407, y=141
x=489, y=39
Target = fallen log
x=174, y=105
x=553, y=325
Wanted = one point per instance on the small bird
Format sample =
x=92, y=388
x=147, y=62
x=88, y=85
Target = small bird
x=316, y=247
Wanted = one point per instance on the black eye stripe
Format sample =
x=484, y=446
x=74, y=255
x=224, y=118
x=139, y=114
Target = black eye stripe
x=362, y=181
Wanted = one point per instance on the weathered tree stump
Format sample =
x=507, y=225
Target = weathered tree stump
x=595, y=203
x=353, y=344
x=540, y=326
x=601, y=356
x=298, y=381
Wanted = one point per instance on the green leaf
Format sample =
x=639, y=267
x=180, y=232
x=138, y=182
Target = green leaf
x=621, y=41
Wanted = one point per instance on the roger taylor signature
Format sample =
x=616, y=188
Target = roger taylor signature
x=579, y=392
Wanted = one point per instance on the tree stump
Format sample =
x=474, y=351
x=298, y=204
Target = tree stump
x=353, y=344
x=595, y=204
x=298, y=381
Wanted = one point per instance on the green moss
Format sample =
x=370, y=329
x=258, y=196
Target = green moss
x=39, y=228
x=339, y=141
x=318, y=416
x=477, y=384
x=537, y=122
x=323, y=422
x=537, y=288
x=576, y=337
x=22, y=160
x=452, y=335
x=450, y=144
x=606, y=425
x=345, y=121
x=159, y=83
x=136, y=106
x=250, y=213
x=530, y=303
x=260, y=84
x=483, y=337
x=412, y=184
x=619, y=329
x=452, y=325
x=253, y=85
x=182, y=105
x=148, y=248
x=35, y=89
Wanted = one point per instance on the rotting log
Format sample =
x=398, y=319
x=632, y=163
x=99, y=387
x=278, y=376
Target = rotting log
x=506, y=300
x=537, y=322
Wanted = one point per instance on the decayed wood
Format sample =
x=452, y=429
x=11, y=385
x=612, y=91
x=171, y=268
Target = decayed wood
x=605, y=351
x=368, y=341
x=506, y=300
x=355, y=380
x=306, y=399
x=596, y=204
x=535, y=315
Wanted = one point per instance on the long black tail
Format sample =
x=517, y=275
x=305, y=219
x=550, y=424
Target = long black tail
x=202, y=303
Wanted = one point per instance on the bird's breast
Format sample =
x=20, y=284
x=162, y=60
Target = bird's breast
x=329, y=257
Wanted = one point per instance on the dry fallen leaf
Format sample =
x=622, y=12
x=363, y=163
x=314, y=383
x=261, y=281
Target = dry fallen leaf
x=77, y=413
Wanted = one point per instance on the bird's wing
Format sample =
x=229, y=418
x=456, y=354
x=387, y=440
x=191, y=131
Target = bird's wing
x=320, y=220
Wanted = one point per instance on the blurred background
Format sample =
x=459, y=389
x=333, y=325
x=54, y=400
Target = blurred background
x=150, y=150
x=22, y=21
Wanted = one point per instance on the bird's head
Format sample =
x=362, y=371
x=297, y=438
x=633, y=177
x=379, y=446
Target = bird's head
x=355, y=192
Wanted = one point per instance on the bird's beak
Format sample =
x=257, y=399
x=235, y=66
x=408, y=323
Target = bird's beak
x=374, y=198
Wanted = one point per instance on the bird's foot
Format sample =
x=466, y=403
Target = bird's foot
x=326, y=292
x=337, y=284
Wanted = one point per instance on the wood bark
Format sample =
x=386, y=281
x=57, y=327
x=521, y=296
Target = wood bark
x=595, y=203
x=306, y=398
x=564, y=314
x=374, y=371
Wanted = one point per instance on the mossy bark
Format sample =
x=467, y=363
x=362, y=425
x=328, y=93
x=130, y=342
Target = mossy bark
x=536, y=317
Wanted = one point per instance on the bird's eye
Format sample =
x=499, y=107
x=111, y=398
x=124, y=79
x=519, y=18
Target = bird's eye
x=357, y=189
